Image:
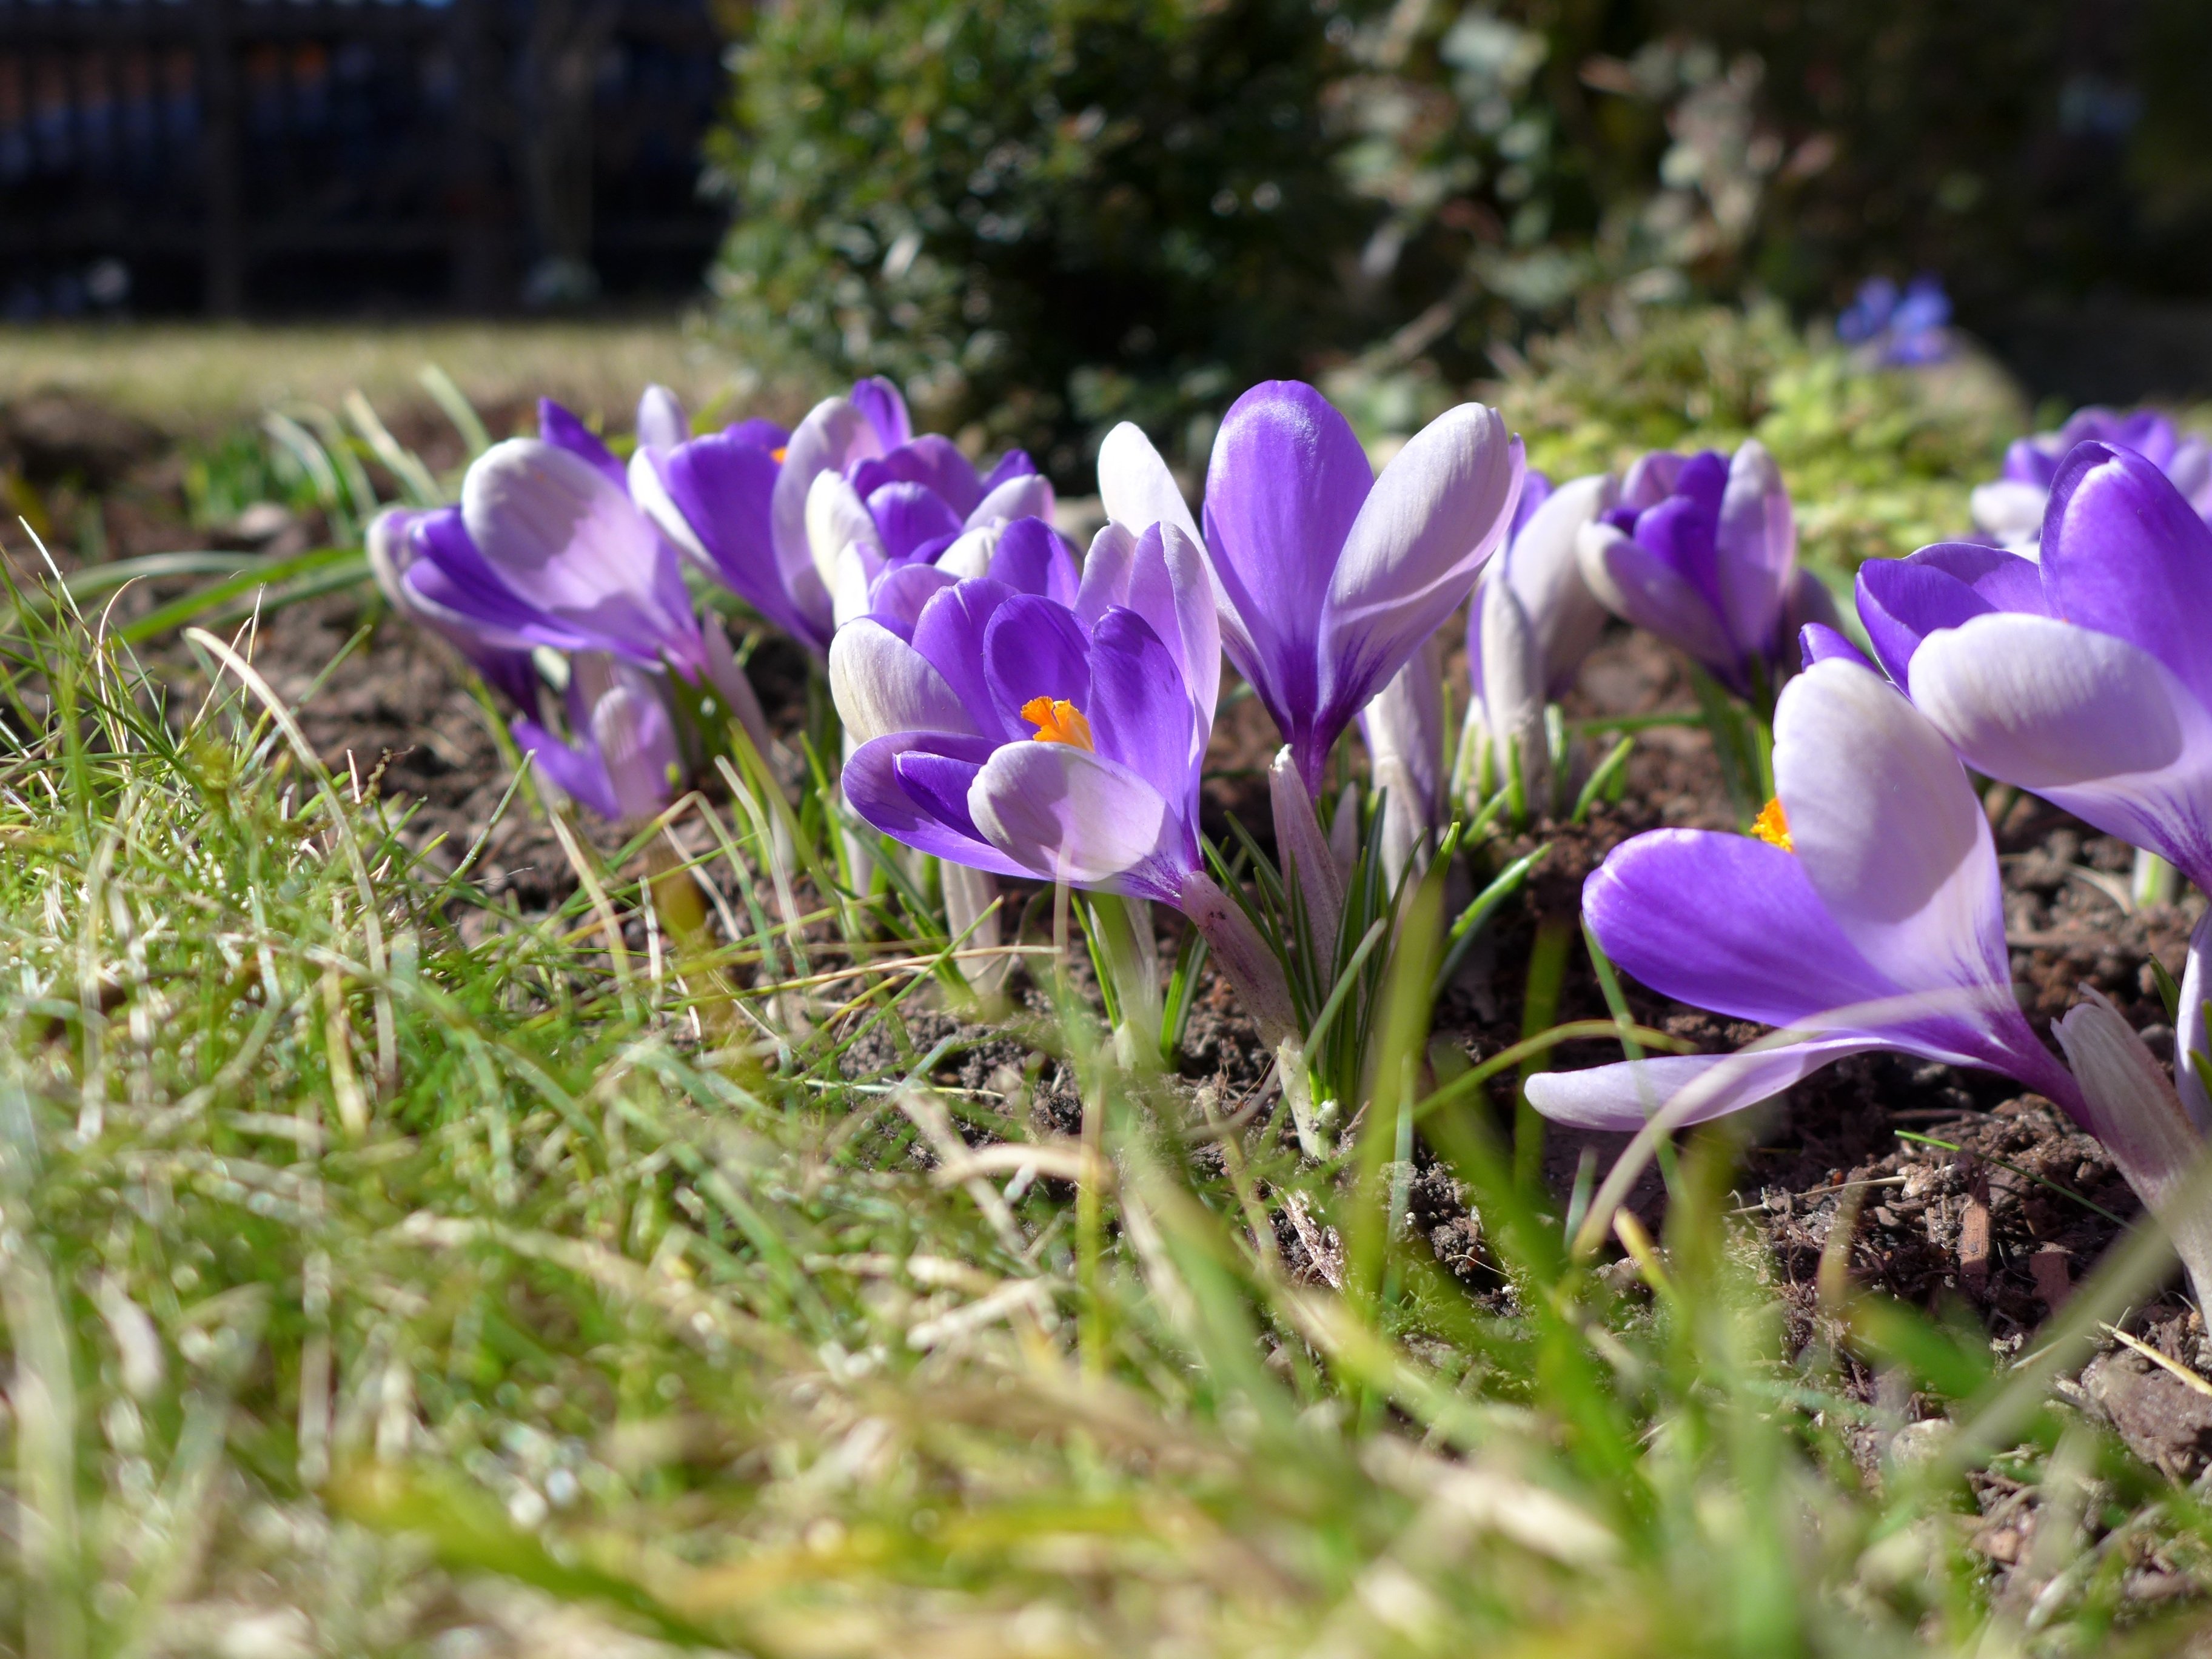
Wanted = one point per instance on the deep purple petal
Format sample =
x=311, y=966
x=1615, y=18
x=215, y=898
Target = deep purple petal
x=899, y=596
x=1032, y=557
x=576, y=771
x=451, y=582
x=909, y=515
x=1035, y=649
x=759, y=433
x=951, y=633
x=1818, y=643
x=1014, y=463
x=2126, y=554
x=884, y=409
x=1902, y=601
x=1755, y=551
x=932, y=461
x=1727, y=923
x=720, y=489
x=873, y=789
x=557, y=426
x=938, y=784
x=1287, y=482
x=1139, y=713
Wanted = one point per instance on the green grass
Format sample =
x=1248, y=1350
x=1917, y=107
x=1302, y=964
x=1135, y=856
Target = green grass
x=385, y=1271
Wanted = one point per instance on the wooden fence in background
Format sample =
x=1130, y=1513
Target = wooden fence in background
x=273, y=156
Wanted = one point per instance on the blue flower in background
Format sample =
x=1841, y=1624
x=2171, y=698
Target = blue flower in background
x=1905, y=327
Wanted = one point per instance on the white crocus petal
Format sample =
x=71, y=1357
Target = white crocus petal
x=661, y=422
x=1438, y=510
x=1028, y=496
x=1624, y=1096
x=2135, y=1113
x=1545, y=571
x=1513, y=674
x=1197, y=621
x=1889, y=830
x=836, y=518
x=881, y=684
x=833, y=435
x=2191, y=1036
x=852, y=583
x=558, y=531
x=1106, y=572
x=2011, y=510
x=1066, y=814
x=1135, y=487
x=970, y=554
x=1758, y=541
x=651, y=494
x=2093, y=723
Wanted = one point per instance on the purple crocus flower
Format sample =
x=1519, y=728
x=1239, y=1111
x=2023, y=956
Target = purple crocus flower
x=1327, y=579
x=1867, y=913
x=1015, y=735
x=1905, y=329
x=1701, y=551
x=2010, y=510
x=854, y=494
x=2088, y=678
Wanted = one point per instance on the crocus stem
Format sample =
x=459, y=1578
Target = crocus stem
x=968, y=897
x=1245, y=959
x=1132, y=963
x=2154, y=881
x=1539, y=1011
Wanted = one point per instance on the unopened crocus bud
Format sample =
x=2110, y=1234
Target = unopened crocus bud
x=1308, y=866
x=1405, y=731
x=1513, y=700
x=2135, y=1110
x=637, y=743
x=661, y=422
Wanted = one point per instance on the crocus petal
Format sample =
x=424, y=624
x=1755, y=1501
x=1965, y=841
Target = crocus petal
x=1161, y=577
x=2090, y=722
x=882, y=684
x=836, y=518
x=1286, y=483
x=1068, y=815
x=2125, y=553
x=971, y=552
x=1404, y=728
x=759, y=433
x=1135, y=487
x=907, y=514
x=1032, y=557
x=1026, y=497
x=1756, y=546
x=1623, y=1095
x=900, y=595
x=1889, y=830
x=661, y=422
x=2191, y=1036
x=951, y=633
x=448, y=585
x=713, y=498
x=569, y=540
x=1546, y=572
x=1817, y=642
x=1512, y=688
x=559, y=426
x=1902, y=601
x=2011, y=510
x=1642, y=589
x=833, y=435
x=637, y=744
x=2131, y=1103
x=884, y=409
x=1727, y=923
x=576, y=772
x=1035, y=649
x=871, y=787
x=1138, y=711
x=1439, y=510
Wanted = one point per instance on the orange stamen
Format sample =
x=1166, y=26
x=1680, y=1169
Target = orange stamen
x=1773, y=826
x=1058, y=722
x=776, y=455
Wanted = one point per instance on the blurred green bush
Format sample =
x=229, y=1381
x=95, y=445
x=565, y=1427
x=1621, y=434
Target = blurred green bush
x=1040, y=215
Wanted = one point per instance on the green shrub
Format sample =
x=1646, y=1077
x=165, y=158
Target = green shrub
x=1040, y=215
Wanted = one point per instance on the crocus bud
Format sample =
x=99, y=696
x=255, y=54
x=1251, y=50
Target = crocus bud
x=1513, y=697
x=1303, y=852
x=638, y=744
x=2133, y=1108
x=1405, y=731
x=661, y=422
